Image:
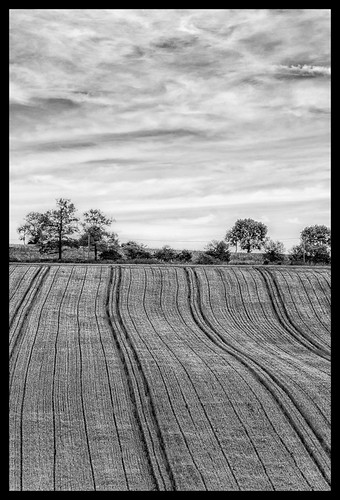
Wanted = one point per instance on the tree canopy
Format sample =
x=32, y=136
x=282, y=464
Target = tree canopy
x=316, y=235
x=249, y=233
x=95, y=226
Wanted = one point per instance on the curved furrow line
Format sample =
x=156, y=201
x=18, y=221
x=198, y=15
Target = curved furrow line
x=192, y=385
x=25, y=384
x=28, y=290
x=263, y=355
x=152, y=440
x=276, y=390
x=75, y=452
x=326, y=275
x=326, y=303
x=217, y=381
x=318, y=315
x=81, y=385
x=310, y=327
x=53, y=382
x=15, y=282
x=21, y=336
x=302, y=354
x=285, y=320
x=306, y=406
x=12, y=268
x=283, y=315
x=182, y=442
x=187, y=446
x=296, y=361
x=18, y=331
x=135, y=462
x=108, y=381
x=220, y=349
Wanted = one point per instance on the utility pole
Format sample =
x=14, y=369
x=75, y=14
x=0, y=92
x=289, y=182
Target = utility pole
x=88, y=246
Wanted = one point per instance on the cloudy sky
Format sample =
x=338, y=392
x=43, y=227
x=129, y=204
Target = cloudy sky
x=175, y=122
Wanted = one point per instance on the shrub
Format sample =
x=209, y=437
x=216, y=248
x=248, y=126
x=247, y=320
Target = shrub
x=184, y=256
x=314, y=254
x=133, y=250
x=111, y=254
x=166, y=253
x=218, y=250
x=274, y=252
x=321, y=255
x=204, y=258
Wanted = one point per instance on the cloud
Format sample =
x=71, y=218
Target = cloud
x=302, y=71
x=217, y=111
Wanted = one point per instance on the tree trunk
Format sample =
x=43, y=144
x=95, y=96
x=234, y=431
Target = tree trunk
x=60, y=247
x=95, y=251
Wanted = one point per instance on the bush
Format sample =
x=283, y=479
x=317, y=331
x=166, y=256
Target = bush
x=274, y=252
x=204, y=258
x=314, y=254
x=184, y=256
x=111, y=254
x=133, y=250
x=321, y=255
x=166, y=254
x=218, y=250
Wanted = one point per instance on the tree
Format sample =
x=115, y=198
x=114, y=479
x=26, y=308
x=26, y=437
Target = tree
x=204, y=258
x=33, y=228
x=184, y=256
x=166, y=253
x=219, y=250
x=110, y=254
x=274, y=251
x=60, y=225
x=133, y=250
x=310, y=254
x=94, y=225
x=249, y=233
x=317, y=235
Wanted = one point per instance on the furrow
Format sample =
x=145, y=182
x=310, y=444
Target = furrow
x=179, y=412
x=15, y=282
x=53, y=383
x=273, y=361
x=28, y=286
x=81, y=385
x=159, y=468
x=21, y=326
x=20, y=407
x=310, y=411
x=274, y=387
x=304, y=321
x=196, y=385
x=273, y=413
x=283, y=317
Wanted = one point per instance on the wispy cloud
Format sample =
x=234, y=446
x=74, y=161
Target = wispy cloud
x=219, y=113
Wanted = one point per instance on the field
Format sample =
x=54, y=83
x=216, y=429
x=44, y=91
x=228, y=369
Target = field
x=169, y=378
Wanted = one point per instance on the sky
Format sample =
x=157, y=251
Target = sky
x=174, y=122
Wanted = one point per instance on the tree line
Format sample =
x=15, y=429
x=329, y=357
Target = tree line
x=56, y=229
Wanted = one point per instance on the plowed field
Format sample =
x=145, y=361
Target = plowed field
x=169, y=378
